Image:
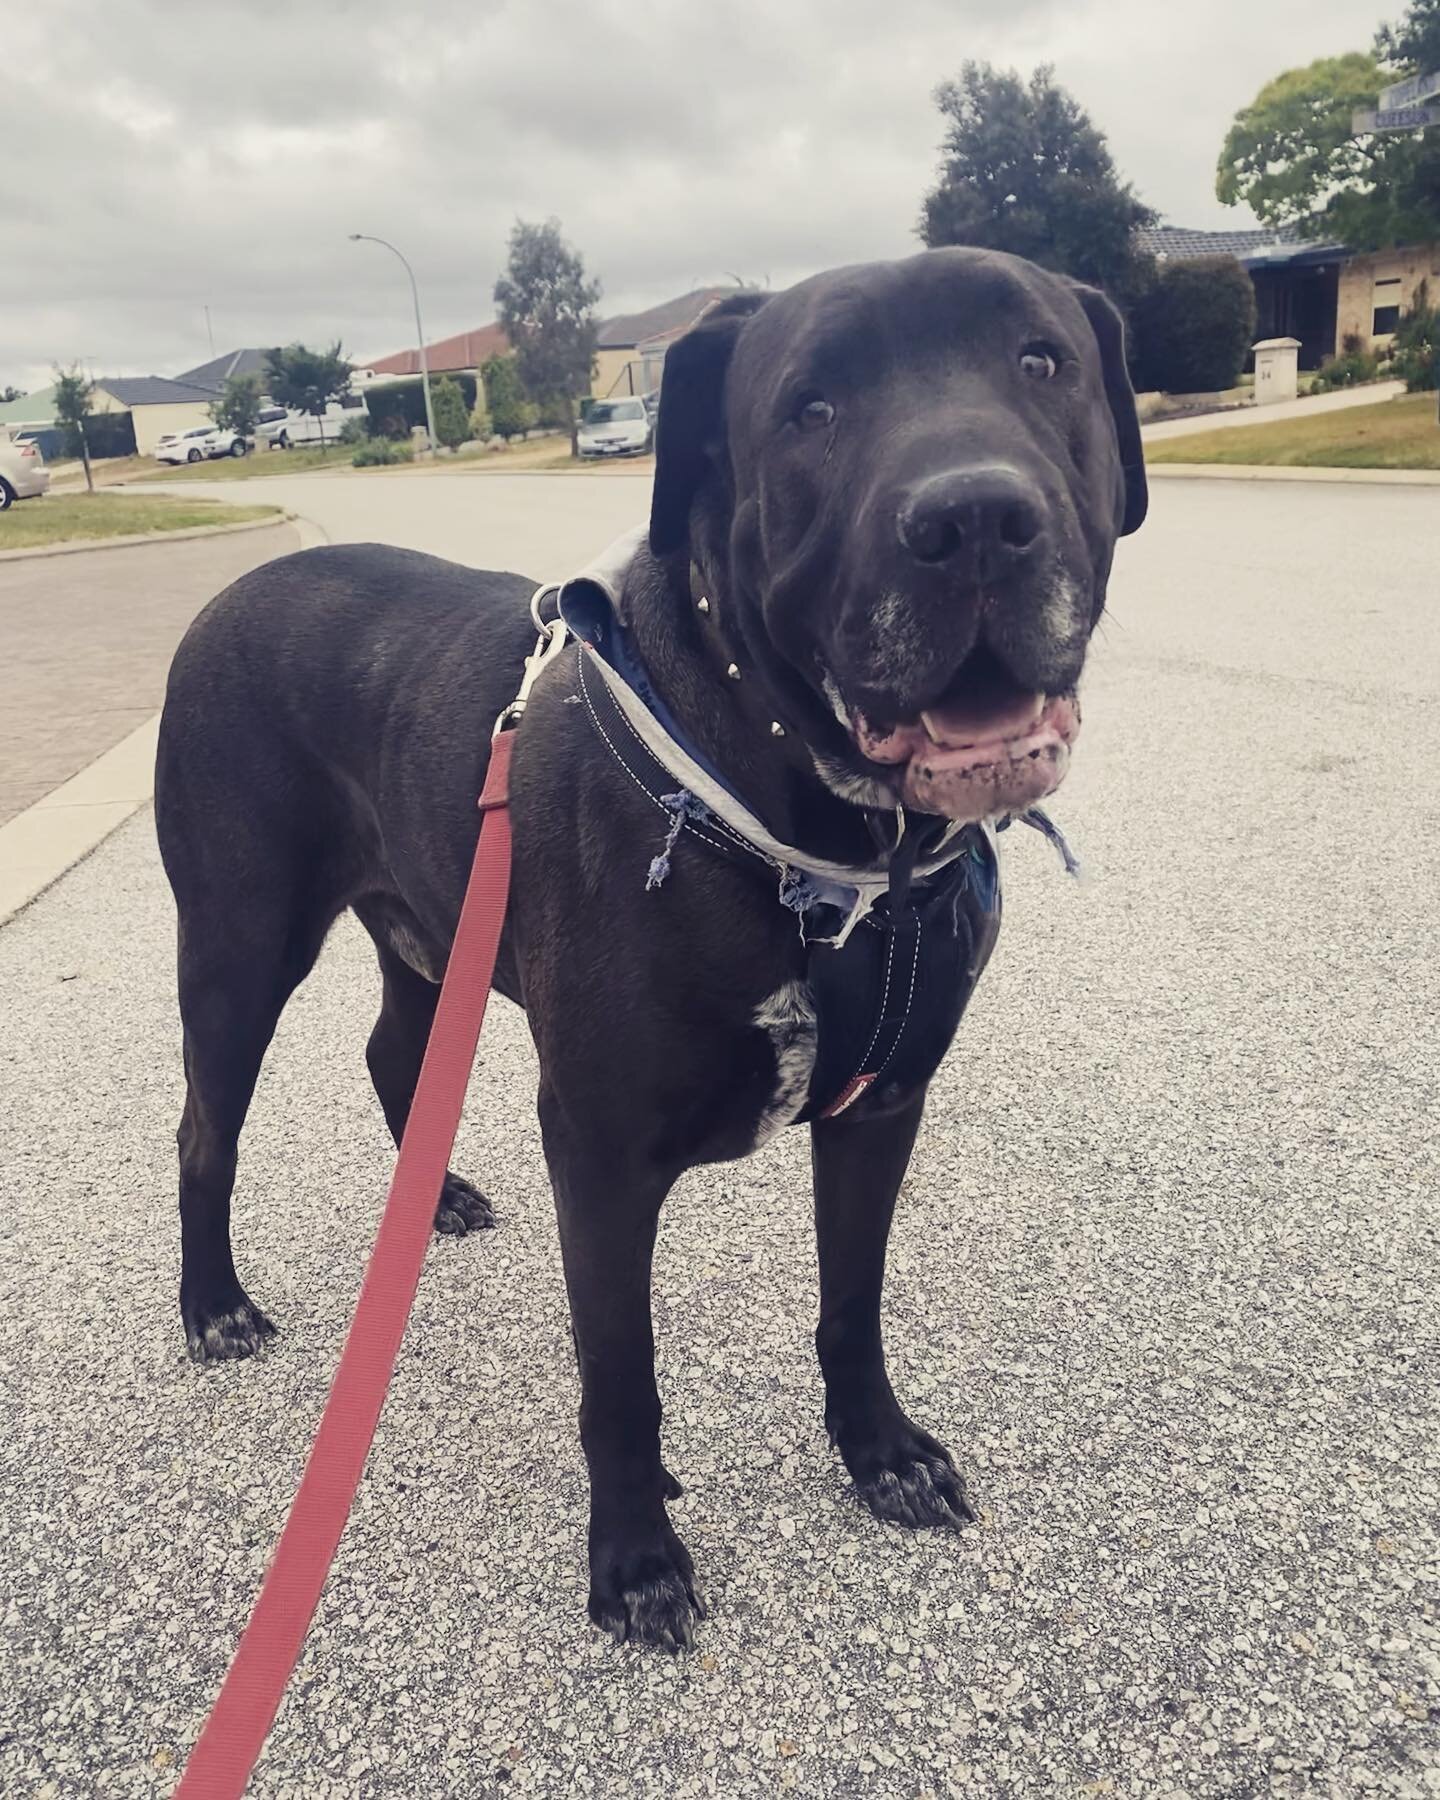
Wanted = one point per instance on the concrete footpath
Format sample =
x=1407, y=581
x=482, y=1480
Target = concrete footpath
x=1164, y=1277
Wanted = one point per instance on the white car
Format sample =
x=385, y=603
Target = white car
x=289, y=428
x=228, y=443
x=23, y=475
x=616, y=428
x=186, y=446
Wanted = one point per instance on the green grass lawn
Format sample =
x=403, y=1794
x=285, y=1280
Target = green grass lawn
x=60, y=518
x=1391, y=434
x=257, y=463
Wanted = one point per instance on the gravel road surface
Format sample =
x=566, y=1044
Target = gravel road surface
x=1164, y=1277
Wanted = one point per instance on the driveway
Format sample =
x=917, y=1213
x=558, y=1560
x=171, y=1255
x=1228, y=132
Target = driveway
x=1164, y=1276
x=88, y=640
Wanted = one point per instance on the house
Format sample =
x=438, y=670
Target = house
x=630, y=351
x=154, y=402
x=156, y=405
x=1315, y=291
x=464, y=354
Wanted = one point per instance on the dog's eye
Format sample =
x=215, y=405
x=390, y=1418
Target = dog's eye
x=815, y=414
x=1038, y=363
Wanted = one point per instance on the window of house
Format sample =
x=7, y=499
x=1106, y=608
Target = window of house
x=1386, y=314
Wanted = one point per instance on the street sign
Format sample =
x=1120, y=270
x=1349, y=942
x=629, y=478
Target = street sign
x=1410, y=92
x=1396, y=118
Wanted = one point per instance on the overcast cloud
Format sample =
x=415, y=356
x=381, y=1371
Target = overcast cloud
x=162, y=155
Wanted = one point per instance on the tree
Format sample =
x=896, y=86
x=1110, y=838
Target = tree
x=238, y=408
x=1195, y=326
x=8, y=393
x=511, y=414
x=1416, y=344
x=1025, y=170
x=1413, y=44
x=1294, y=157
x=452, y=421
x=74, y=403
x=307, y=380
x=548, y=310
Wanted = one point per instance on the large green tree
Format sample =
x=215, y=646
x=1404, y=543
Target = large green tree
x=307, y=380
x=1294, y=156
x=74, y=403
x=1024, y=169
x=547, y=306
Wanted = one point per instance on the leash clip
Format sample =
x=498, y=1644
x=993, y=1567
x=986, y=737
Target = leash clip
x=553, y=638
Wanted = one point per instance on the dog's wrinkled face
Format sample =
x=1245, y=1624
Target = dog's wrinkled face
x=906, y=479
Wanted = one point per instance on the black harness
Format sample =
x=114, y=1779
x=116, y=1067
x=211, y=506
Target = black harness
x=889, y=992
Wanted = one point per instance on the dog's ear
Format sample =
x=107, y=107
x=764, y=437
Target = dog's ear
x=1109, y=329
x=690, y=430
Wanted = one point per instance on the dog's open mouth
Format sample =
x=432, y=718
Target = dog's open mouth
x=983, y=747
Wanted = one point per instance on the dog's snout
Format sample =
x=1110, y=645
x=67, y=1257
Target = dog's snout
x=975, y=520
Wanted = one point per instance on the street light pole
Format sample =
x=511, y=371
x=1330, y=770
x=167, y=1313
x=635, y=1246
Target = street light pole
x=363, y=237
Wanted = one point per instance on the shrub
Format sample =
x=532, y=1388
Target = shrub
x=1350, y=370
x=355, y=431
x=378, y=451
x=1416, y=344
x=480, y=427
x=511, y=414
x=452, y=417
x=1195, y=326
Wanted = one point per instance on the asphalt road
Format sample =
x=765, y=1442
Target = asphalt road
x=1164, y=1277
x=88, y=640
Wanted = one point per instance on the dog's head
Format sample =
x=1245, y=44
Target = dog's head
x=904, y=482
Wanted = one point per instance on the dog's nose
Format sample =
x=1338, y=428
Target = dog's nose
x=977, y=521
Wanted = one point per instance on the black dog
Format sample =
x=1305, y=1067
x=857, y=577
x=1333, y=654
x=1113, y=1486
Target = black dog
x=883, y=520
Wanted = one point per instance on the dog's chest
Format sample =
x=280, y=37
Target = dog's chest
x=787, y=1017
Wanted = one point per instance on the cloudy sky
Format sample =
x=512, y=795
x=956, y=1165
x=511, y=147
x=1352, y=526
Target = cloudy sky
x=163, y=156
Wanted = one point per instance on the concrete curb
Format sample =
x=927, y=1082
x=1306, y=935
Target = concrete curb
x=39, y=845
x=80, y=545
x=1278, y=472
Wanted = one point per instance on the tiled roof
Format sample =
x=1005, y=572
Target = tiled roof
x=1176, y=243
x=667, y=320
x=466, y=350
x=153, y=390
x=216, y=372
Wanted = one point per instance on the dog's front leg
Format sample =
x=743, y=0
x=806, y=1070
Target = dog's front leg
x=642, y=1582
x=900, y=1472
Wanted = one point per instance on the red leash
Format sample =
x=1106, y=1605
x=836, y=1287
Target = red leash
x=235, y=1732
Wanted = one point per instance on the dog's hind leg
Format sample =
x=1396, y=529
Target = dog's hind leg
x=240, y=960
x=394, y=1054
x=901, y=1473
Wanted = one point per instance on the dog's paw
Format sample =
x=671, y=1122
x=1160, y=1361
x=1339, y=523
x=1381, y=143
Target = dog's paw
x=907, y=1478
x=462, y=1208
x=227, y=1332
x=642, y=1591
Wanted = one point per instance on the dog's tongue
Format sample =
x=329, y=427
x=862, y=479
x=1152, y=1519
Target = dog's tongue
x=956, y=724
x=961, y=724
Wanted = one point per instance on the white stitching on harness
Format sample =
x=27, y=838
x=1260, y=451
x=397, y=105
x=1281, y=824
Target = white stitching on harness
x=657, y=803
x=909, y=1002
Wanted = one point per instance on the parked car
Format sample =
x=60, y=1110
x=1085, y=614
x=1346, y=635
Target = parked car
x=310, y=428
x=228, y=443
x=185, y=446
x=616, y=428
x=270, y=424
x=23, y=475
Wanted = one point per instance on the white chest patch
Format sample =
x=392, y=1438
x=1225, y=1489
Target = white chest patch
x=788, y=1015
